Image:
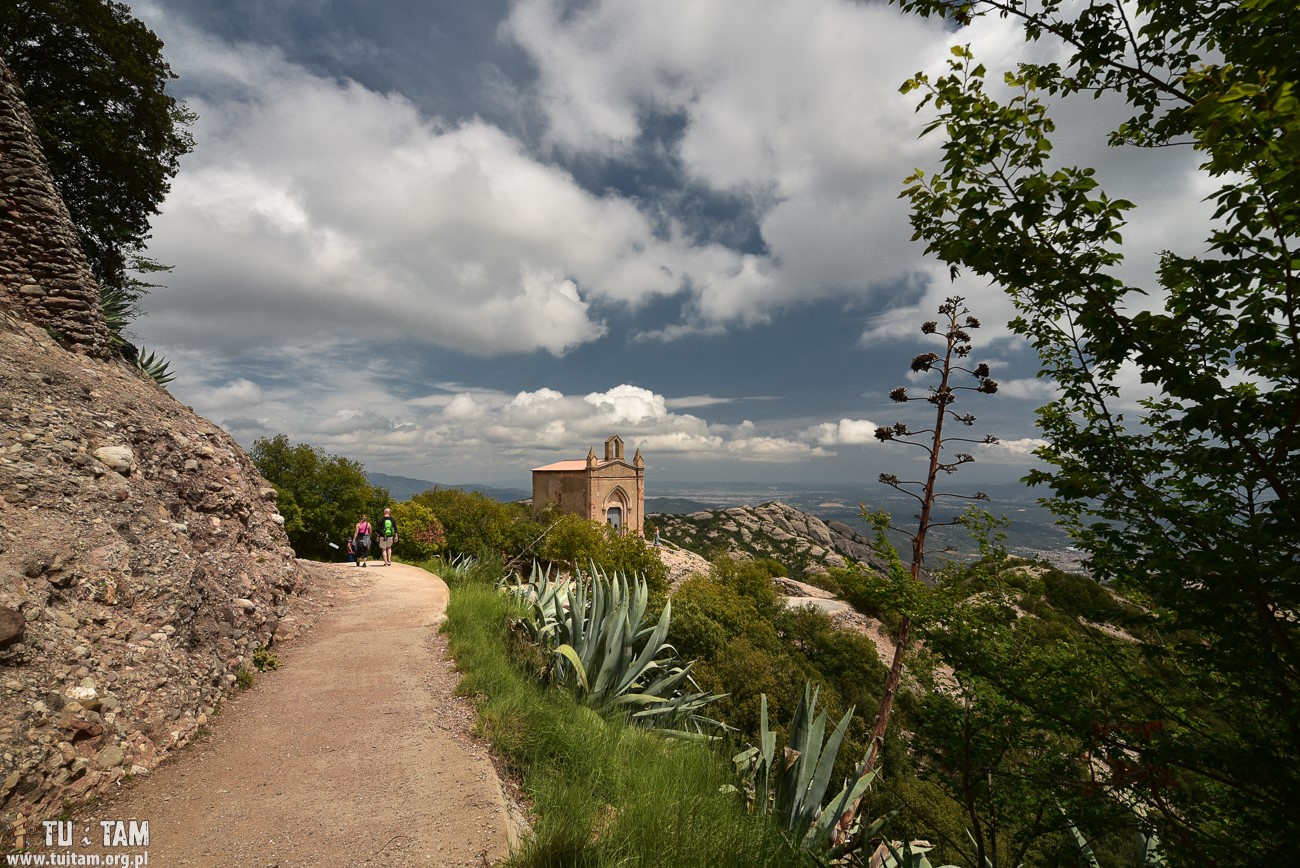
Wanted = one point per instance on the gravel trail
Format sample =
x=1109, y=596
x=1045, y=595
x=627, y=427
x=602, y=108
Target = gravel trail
x=355, y=752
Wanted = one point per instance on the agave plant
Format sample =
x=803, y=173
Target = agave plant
x=156, y=367
x=547, y=602
x=802, y=777
x=1147, y=852
x=119, y=309
x=603, y=650
x=905, y=854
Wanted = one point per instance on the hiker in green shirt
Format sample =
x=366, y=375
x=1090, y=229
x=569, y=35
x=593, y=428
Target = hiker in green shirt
x=387, y=536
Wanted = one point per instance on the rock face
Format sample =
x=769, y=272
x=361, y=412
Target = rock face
x=141, y=560
x=682, y=564
x=43, y=274
x=803, y=543
x=133, y=584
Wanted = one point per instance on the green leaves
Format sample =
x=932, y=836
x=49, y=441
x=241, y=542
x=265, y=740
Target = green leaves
x=802, y=777
x=96, y=83
x=605, y=652
x=329, y=493
x=1185, y=492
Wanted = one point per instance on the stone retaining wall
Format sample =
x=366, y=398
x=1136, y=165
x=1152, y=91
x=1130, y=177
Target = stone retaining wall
x=44, y=277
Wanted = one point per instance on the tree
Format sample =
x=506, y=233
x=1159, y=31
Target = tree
x=329, y=493
x=1188, y=505
x=957, y=347
x=95, y=82
x=572, y=540
x=1005, y=656
x=477, y=525
x=421, y=534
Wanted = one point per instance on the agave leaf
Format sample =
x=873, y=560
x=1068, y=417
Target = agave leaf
x=786, y=782
x=614, y=661
x=821, y=776
x=819, y=833
x=805, y=808
x=767, y=743
x=157, y=367
x=566, y=651
x=669, y=680
x=653, y=646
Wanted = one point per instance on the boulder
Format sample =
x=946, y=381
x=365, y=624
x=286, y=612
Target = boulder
x=117, y=458
x=12, y=626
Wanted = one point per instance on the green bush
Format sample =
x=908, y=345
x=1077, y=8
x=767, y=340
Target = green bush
x=1081, y=596
x=577, y=543
x=420, y=534
x=264, y=659
x=477, y=525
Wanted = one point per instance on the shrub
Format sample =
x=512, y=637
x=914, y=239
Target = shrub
x=477, y=525
x=264, y=659
x=419, y=530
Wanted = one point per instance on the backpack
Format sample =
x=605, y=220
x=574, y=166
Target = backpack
x=388, y=526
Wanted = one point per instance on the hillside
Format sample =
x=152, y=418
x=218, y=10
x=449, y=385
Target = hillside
x=803, y=543
x=145, y=561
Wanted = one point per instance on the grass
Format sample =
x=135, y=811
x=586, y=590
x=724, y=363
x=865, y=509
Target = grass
x=604, y=794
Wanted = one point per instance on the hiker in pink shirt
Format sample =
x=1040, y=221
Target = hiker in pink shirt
x=361, y=540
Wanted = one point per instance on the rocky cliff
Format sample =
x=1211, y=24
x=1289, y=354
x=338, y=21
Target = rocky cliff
x=143, y=559
x=803, y=543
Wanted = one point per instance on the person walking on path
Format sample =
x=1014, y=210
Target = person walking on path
x=361, y=540
x=387, y=536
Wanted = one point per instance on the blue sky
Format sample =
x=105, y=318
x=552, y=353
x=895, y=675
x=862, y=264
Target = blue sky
x=457, y=240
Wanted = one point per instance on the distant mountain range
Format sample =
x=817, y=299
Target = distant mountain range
x=405, y=487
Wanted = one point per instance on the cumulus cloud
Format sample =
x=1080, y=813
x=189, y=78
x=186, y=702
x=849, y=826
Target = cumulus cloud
x=239, y=394
x=846, y=432
x=689, y=402
x=354, y=422
x=313, y=205
x=1021, y=447
x=1029, y=389
x=781, y=105
x=796, y=109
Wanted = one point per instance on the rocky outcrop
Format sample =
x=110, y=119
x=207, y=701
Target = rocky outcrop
x=142, y=562
x=803, y=543
x=681, y=564
x=44, y=277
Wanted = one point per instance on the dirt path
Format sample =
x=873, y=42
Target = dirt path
x=355, y=752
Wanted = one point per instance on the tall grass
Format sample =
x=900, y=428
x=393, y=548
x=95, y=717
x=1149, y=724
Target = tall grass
x=603, y=793
x=486, y=569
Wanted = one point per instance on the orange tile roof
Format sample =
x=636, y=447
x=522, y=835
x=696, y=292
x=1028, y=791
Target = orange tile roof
x=574, y=464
